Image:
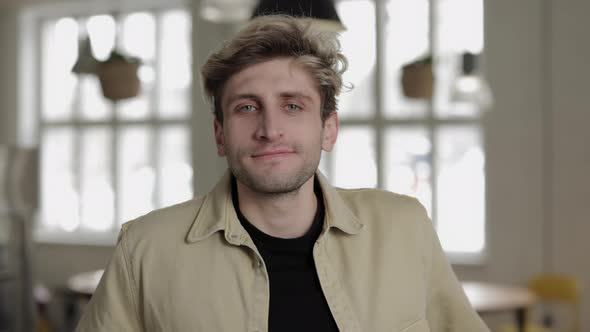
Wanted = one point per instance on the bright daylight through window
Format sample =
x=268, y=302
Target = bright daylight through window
x=103, y=162
x=429, y=150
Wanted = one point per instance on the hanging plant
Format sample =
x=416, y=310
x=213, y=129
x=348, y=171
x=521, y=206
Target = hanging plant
x=118, y=76
x=418, y=79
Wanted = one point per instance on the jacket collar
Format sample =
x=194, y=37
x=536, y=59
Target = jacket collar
x=217, y=213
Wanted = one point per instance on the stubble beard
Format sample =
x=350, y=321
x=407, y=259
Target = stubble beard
x=274, y=184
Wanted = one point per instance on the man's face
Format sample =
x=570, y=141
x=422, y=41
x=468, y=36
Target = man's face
x=272, y=133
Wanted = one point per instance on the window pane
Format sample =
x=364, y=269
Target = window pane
x=407, y=164
x=354, y=158
x=94, y=105
x=459, y=30
x=447, y=71
x=136, y=174
x=358, y=44
x=60, y=52
x=139, y=40
x=175, y=165
x=175, y=71
x=98, y=210
x=460, y=26
x=139, y=35
x=406, y=39
x=460, y=181
x=136, y=108
x=101, y=31
x=80, y=162
x=59, y=196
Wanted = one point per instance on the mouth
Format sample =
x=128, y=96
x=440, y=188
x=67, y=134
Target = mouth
x=267, y=154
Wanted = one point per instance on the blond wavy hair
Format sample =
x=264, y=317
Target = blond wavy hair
x=273, y=36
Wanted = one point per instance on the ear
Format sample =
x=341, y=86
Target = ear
x=330, y=132
x=219, y=139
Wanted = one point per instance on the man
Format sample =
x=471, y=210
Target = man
x=273, y=247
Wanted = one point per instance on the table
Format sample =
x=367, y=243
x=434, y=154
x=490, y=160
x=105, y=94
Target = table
x=79, y=290
x=84, y=284
x=489, y=298
x=484, y=297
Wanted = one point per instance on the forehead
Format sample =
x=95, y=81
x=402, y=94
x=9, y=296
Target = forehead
x=275, y=76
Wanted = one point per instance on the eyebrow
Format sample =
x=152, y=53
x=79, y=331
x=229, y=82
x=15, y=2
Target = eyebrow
x=240, y=96
x=295, y=95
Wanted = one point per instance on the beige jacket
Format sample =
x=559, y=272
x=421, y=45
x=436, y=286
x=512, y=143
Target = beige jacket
x=193, y=267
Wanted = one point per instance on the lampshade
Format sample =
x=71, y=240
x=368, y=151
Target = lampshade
x=322, y=13
x=470, y=86
x=226, y=11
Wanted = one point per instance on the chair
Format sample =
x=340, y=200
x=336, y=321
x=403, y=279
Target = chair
x=555, y=289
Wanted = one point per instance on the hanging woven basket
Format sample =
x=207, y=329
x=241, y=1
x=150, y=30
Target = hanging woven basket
x=418, y=80
x=118, y=78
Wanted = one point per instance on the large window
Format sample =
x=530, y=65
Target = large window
x=430, y=149
x=103, y=162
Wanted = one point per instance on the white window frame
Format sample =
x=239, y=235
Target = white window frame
x=35, y=16
x=379, y=122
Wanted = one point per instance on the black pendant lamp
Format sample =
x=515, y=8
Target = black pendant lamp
x=322, y=13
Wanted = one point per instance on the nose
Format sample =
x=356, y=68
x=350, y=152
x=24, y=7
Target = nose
x=269, y=126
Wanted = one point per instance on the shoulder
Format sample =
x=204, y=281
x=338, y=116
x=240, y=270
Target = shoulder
x=386, y=212
x=361, y=200
x=169, y=224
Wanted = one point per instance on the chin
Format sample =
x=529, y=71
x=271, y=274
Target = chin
x=273, y=182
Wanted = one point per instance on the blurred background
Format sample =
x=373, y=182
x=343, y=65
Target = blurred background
x=477, y=108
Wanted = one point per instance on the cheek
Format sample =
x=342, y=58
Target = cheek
x=311, y=140
x=242, y=128
x=236, y=142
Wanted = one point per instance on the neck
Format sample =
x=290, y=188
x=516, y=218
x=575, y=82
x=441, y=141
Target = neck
x=287, y=216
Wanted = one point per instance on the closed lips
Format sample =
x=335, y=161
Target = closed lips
x=271, y=153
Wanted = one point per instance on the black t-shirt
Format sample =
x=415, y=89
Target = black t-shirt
x=297, y=302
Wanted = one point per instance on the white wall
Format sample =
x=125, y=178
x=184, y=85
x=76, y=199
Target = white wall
x=8, y=75
x=208, y=166
x=538, y=155
x=514, y=137
x=570, y=139
x=514, y=146
x=537, y=142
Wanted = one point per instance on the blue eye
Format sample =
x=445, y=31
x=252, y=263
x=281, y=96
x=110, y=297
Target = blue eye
x=293, y=107
x=247, y=108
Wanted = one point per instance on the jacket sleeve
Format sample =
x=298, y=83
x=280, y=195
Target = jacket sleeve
x=114, y=304
x=448, y=309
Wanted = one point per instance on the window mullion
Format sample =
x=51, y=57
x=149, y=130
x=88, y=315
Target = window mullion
x=431, y=119
x=116, y=127
x=380, y=12
x=78, y=133
x=77, y=153
x=115, y=177
x=157, y=126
